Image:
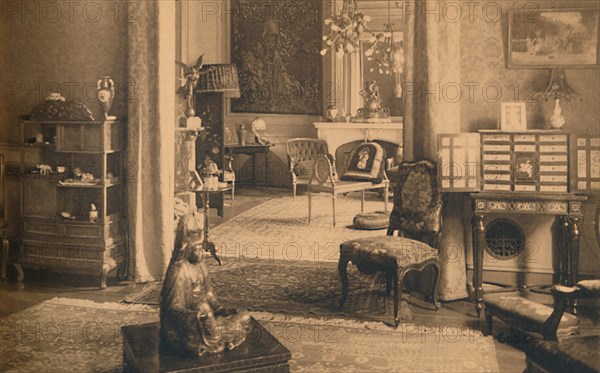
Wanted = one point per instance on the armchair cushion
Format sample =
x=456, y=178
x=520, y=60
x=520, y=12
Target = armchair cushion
x=527, y=314
x=365, y=163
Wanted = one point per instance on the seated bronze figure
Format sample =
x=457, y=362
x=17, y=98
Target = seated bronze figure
x=192, y=321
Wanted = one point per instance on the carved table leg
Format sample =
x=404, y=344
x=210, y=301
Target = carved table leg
x=333, y=201
x=574, y=235
x=4, y=257
x=309, y=191
x=342, y=269
x=478, y=242
x=20, y=276
x=362, y=201
x=267, y=168
x=397, y=279
x=563, y=243
x=435, y=286
x=104, y=275
x=386, y=196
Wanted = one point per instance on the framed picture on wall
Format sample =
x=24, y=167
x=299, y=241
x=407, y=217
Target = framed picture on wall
x=513, y=116
x=548, y=38
x=230, y=136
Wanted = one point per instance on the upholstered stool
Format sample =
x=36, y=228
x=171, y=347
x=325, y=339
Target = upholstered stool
x=390, y=254
x=525, y=314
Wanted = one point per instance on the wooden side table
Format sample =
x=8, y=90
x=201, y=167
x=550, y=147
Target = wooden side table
x=567, y=208
x=252, y=150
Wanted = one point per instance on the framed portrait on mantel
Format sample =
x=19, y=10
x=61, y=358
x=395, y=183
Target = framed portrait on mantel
x=230, y=134
x=513, y=116
x=553, y=38
x=275, y=46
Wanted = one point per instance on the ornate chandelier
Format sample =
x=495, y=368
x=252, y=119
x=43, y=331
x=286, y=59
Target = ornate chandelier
x=387, y=56
x=346, y=29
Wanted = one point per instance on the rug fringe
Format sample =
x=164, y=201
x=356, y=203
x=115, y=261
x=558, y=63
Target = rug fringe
x=101, y=305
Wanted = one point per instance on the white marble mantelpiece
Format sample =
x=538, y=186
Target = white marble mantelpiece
x=336, y=134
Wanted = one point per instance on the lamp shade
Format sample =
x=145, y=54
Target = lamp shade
x=219, y=78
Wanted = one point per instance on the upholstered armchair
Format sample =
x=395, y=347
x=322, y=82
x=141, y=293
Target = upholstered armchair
x=417, y=220
x=302, y=153
x=571, y=353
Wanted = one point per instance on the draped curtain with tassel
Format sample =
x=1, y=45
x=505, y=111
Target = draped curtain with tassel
x=432, y=106
x=150, y=139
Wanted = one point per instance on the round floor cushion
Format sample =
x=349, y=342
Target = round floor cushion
x=372, y=220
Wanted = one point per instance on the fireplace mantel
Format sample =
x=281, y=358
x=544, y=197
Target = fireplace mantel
x=336, y=134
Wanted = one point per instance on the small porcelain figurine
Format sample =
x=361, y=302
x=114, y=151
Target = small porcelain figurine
x=106, y=95
x=44, y=169
x=332, y=113
x=93, y=213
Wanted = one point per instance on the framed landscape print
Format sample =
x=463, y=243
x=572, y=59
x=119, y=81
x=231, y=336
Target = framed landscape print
x=275, y=46
x=548, y=38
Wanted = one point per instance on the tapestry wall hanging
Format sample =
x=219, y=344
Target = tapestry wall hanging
x=275, y=45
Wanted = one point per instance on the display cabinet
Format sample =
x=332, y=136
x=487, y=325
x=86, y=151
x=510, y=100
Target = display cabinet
x=535, y=172
x=73, y=195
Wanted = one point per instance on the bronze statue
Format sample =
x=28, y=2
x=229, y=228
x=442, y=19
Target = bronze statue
x=191, y=74
x=192, y=321
x=373, y=109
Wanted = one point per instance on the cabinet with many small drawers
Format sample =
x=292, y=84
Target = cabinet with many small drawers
x=535, y=161
x=525, y=162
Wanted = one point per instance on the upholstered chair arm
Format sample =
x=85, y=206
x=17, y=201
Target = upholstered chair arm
x=562, y=294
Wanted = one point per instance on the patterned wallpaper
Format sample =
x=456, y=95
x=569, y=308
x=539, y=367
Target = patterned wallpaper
x=486, y=81
x=63, y=46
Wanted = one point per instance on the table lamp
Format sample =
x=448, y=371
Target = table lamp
x=558, y=89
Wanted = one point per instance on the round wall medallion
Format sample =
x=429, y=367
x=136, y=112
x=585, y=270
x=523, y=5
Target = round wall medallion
x=504, y=239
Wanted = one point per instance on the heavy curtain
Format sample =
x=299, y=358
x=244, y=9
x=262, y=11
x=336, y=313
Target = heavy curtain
x=432, y=106
x=150, y=139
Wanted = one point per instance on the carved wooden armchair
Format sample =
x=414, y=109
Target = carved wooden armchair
x=417, y=219
x=302, y=153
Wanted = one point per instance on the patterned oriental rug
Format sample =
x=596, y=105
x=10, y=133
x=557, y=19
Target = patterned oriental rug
x=279, y=229
x=296, y=288
x=70, y=335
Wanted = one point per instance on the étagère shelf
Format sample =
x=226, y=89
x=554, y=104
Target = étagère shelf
x=72, y=191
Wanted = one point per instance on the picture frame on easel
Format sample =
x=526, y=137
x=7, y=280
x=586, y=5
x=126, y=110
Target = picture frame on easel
x=513, y=116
